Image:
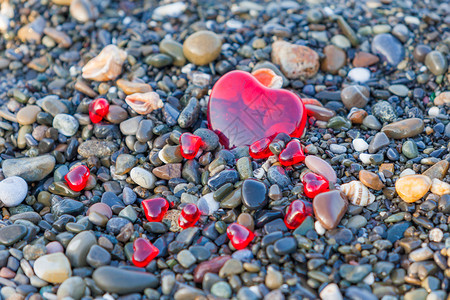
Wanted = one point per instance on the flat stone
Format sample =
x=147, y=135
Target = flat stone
x=79, y=247
x=143, y=178
x=72, y=287
x=97, y=148
x=404, y=129
x=254, y=194
x=29, y=168
x=122, y=281
x=371, y=180
x=412, y=187
x=329, y=208
x=54, y=268
x=354, y=273
x=438, y=170
x=436, y=62
x=355, y=96
x=11, y=234
x=389, y=48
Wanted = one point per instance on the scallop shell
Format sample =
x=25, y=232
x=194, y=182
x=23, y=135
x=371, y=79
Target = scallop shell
x=105, y=66
x=144, y=103
x=357, y=193
x=268, y=78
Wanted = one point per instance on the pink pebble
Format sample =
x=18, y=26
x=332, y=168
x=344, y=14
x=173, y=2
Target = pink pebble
x=54, y=247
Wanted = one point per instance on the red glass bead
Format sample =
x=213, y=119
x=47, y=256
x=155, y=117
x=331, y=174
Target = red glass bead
x=314, y=184
x=190, y=144
x=98, y=109
x=292, y=154
x=260, y=148
x=242, y=111
x=189, y=216
x=239, y=236
x=155, y=209
x=77, y=178
x=144, y=252
x=297, y=213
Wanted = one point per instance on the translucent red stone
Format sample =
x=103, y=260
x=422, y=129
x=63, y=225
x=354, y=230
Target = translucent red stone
x=155, y=209
x=292, y=154
x=239, y=236
x=314, y=184
x=190, y=144
x=242, y=111
x=297, y=213
x=77, y=178
x=144, y=252
x=260, y=148
x=98, y=109
x=189, y=216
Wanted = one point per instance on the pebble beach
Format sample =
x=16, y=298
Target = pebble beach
x=140, y=161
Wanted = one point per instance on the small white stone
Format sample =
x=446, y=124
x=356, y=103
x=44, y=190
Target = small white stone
x=331, y=292
x=359, y=74
x=143, y=177
x=66, y=124
x=406, y=172
x=365, y=158
x=338, y=149
x=169, y=10
x=369, y=279
x=319, y=228
x=439, y=187
x=207, y=205
x=436, y=235
x=13, y=191
x=360, y=145
x=433, y=111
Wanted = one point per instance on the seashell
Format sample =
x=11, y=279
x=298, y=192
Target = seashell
x=144, y=103
x=439, y=187
x=268, y=78
x=132, y=87
x=357, y=193
x=105, y=66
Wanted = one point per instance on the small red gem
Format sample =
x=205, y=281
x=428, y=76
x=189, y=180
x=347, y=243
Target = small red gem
x=239, y=236
x=155, y=209
x=297, y=213
x=190, y=144
x=77, y=178
x=314, y=184
x=98, y=109
x=292, y=154
x=144, y=252
x=260, y=148
x=189, y=216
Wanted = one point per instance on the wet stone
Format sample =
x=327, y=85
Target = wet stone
x=389, y=48
x=11, y=234
x=404, y=128
x=355, y=96
x=254, y=194
x=384, y=111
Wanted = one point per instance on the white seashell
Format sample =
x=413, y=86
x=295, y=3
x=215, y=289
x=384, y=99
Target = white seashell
x=439, y=187
x=144, y=103
x=357, y=193
x=107, y=65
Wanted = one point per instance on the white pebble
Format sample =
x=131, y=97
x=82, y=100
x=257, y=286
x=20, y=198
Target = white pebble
x=406, y=172
x=338, y=149
x=207, y=205
x=359, y=74
x=365, y=158
x=169, y=10
x=360, y=145
x=319, y=228
x=13, y=191
x=433, y=111
x=369, y=279
x=331, y=292
x=436, y=235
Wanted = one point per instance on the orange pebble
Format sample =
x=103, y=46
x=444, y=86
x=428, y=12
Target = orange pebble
x=268, y=78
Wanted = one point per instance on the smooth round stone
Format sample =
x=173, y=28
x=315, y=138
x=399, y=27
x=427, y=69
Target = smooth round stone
x=438, y=170
x=412, y=187
x=319, y=112
x=123, y=281
x=72, y=287
x=341, y=41
x=221, y=289
x=143, y=177
x=355, y=96
x=186, y=258
x=372, y=122
x=371, y=180
x=404, y=128
x=28, y=114
x=53, y=105
x=359, y=75
x=124, y=163
x=11, y=234
x=286, y=245
x=360, y=145
x=409, y=149
x=420, y=52
x=354, y=273
x=159, y=60
x=254, y=194
x=66, y=124
x=54, y=247
x=338, y=149
x=13, y=191
x=98, y=257
x=329, y=208
x=116, y=114
x=175, y=50
x=321, y=167
x=274, y=279
x=129, y=127
x=83, y=10
x=356, y=222
x=79, y=247
x=441, y=99
x=247, y=221
x=202, y=47
x=436, y=62
x=335, y=59
x=401, y=32
x=209, y=138
x=380, y=140
x=399, y=90
x=29, y=168
x=331, y=292
x=389, y=48
x=295, y=60
x=384, y=111
x=277, y=175
x=54, y=268
x=144, y=132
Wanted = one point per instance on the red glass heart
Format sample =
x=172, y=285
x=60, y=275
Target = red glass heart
x=292, y=154
x=297, y=213
x=155, y=209
x=144, y=252
x=314, y=184
x=239, y=236
x=190, y=144
x=189, y=216
x=260, y=149
x=242, y=111
x=77, y=178
x=98, y=109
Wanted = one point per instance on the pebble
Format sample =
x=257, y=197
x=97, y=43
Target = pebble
x=331, y=292
x=13, y=191
x=360, y=75
x=274, y=279
x=360, y=145
x=321, y=167
x=98, y=257
x=335, y=59
x=54, y=268
x=355, y=96
x=122, y=281
x=254, y=194
x=78, y=248
x=439, y=187
x=72, y=287
x=364, y=59
x=384, y=111
x=442, y=98
x=202, y=47
x=29, y=168
x=221, y=289
x=28, y=114
x=379, y=141
x=389, y=48
x=436, y=62
x=295, y=60
x=143, y=177
x=329, y=208
x=404, y=129
x=66, y=124
x=371, y=180
x=207, y=205
x=9, y=235
x=412, y=187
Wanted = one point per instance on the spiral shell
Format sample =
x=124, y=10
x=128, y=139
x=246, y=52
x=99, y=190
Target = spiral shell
x=144, y=103
x=107, y=65
x=357, y=193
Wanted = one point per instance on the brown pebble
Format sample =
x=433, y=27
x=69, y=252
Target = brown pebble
x=168, y=171
x=247, y=221
x=329, y=208
x=131, y=87
x=371, y=180
x=116, y=114
x=28, y=114
x=364, y=59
